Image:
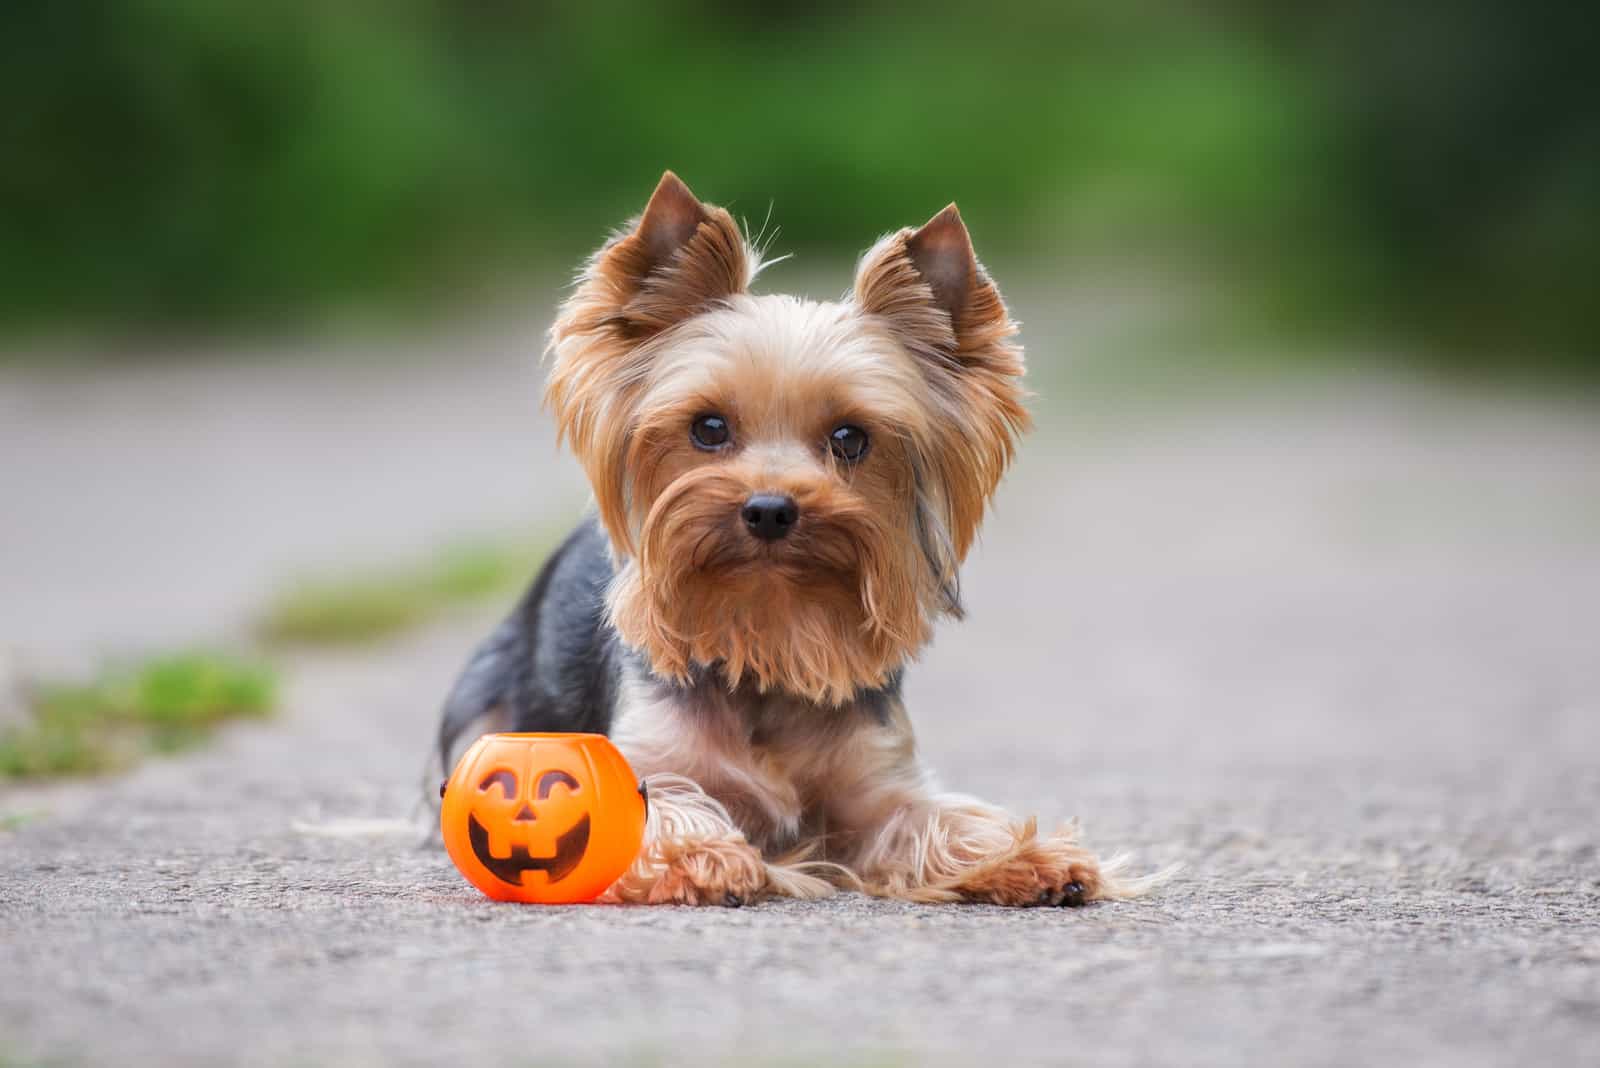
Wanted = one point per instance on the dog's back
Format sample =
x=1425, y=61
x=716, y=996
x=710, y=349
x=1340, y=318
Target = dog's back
x=551, y=666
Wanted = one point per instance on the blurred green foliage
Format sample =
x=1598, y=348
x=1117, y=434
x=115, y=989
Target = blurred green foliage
x=1426, y=166
x=163, y=704
x=370, y=605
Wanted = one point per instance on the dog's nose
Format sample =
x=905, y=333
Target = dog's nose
x=770, y=516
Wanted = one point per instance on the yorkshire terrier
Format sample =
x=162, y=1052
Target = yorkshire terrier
x=785, y=492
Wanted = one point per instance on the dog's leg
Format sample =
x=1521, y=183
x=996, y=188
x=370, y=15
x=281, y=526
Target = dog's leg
x=910, y=841
x=692, y=853
x=946, y=847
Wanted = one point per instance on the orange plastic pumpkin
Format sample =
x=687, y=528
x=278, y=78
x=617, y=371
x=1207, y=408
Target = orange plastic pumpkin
x=548, y=818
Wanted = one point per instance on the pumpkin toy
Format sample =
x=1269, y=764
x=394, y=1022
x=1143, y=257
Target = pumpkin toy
x=547, y=818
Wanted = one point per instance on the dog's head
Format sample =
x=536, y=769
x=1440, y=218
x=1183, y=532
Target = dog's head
x=789, y=486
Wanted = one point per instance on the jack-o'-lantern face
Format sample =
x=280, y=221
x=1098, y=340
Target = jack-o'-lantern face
x=570, y=845
x=542, y=817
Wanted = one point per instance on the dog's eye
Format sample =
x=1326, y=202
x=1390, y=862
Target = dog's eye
x=849, y=443
x=709, y=431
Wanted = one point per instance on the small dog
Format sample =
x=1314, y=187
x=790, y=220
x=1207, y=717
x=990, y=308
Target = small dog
x=785, y=492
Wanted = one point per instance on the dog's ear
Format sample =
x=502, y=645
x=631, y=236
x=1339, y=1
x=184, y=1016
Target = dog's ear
x=669, y=221
x=929, y=291
x=929, y=287
x=677, y=259
x=942, y=254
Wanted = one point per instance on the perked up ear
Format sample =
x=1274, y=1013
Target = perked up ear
x=942, y=254
x=929, y=290
x=669, y=221
x=930, y=287
x=677, y=259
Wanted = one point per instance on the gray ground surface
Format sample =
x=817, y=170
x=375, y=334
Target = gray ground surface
x=151, y=504
x=1336, y=648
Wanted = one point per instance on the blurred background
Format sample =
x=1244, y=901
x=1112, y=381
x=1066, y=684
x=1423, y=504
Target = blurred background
x=1427, y=170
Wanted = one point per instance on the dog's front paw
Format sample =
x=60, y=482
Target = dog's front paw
x=1049, y=871
x=728, y=872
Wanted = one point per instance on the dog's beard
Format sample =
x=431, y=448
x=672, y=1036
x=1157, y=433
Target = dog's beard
x=832, y=609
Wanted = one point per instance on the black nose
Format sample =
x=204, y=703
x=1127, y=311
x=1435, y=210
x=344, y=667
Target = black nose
x=770, y=516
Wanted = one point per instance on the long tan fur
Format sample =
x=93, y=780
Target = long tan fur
x=779, y=756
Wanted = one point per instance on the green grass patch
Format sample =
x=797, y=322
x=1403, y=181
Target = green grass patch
x=171, y=702
x=163, y=704
x=15, y=821
x=364, y=606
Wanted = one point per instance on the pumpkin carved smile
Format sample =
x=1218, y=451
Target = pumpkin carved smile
x=570, y=848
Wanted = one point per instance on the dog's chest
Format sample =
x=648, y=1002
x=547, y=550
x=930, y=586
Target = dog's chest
x=770, y=761
x=773, y=761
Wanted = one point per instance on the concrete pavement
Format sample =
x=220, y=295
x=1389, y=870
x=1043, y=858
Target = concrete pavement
x=1334, y=646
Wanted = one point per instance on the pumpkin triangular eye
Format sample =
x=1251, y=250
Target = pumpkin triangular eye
x=506, y=779
x=550, y=779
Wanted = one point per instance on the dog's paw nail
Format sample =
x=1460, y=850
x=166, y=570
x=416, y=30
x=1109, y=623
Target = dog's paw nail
x=1072, y=895
x=732, y=901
